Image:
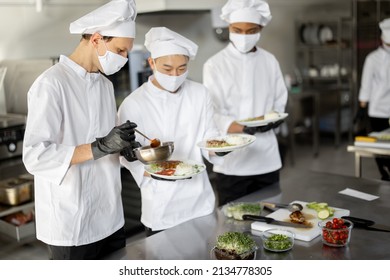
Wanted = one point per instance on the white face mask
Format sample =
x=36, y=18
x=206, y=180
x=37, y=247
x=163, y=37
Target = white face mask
x=244, y=42
x=169, y=83
x=111, y=62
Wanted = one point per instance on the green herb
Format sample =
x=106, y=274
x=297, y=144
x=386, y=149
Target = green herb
x=238, y=210
x=278, y=242
x=236, y=242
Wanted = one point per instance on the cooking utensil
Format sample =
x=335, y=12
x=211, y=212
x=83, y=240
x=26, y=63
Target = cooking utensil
x=269, y=220
x=366, y=224
x=292, y=207
x=153, y=142
x=148, y=155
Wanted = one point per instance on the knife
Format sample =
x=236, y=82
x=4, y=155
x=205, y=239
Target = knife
x=269, y=220
x=366, y=224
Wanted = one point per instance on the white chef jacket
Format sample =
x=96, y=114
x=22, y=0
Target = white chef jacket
x=375, y=83
x=245, y=86
x=78, y=204
x=184, y=118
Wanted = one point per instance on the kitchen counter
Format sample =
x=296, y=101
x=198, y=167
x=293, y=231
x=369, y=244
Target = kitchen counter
x=194, y=239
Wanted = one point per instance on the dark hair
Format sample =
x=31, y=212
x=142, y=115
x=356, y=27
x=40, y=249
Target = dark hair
x=88, y=36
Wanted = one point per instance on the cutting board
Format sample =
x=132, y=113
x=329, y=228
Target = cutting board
x=304, y=234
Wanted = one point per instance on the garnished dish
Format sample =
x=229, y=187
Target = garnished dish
x=175, y=169
x=227, y=143
x=237, y=210
x=263, y=120
x=277, y=240
x=234, y=246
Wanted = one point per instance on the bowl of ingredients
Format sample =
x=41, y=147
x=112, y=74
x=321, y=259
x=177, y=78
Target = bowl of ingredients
x=236, y=210
x=278, y=240
x=336, y=232
x=148, y=154
x=234, y=246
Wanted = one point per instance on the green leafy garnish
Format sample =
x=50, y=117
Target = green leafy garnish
x=236, y=242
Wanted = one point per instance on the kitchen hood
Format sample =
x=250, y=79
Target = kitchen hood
x=158, y=6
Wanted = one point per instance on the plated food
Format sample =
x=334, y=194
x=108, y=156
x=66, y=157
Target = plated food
x=175, y=169
x=227, y=143
x=234, y=246
x=263, y=120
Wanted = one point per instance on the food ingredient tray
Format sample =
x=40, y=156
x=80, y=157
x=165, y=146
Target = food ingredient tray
x=15, y=191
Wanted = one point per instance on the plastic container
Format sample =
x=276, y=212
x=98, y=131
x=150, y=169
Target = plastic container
x=336, y=237
x=278, y=240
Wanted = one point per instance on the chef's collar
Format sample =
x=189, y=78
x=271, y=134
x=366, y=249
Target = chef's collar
x=79, y=69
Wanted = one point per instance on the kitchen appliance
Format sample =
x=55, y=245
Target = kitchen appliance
x=12, y=128
x=304, y=234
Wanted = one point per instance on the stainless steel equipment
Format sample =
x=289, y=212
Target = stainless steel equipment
x=12, y=128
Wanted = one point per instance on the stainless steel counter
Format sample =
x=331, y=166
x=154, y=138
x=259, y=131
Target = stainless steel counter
x=194, y=239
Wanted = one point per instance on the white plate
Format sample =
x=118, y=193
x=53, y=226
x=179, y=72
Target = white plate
x=249, y=139
x=200, y=168
x=263, y=122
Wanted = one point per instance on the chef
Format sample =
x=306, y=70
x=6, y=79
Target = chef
x=374, y=94
x=71, y=144
x=171, y=107
x=245, y=81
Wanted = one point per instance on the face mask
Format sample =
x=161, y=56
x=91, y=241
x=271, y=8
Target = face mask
x=243, y=42
x=111, y=62
x=169, y=83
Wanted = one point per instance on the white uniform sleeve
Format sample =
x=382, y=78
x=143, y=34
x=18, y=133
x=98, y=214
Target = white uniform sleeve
x=366, y=82
x=43, y=153
x=211, y=129
x=281, y=93
x=136, y=168
x=212, y=79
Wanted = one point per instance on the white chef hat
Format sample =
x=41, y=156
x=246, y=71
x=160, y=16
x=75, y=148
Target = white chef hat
x=115, y=19
x=384, y=25
x=254, y=11
x=161, y=41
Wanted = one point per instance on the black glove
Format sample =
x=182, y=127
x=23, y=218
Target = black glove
x=129, y=153
x=119, y=138
x=221, y=154
x=169, y=180
x=261, y=129
x=361, y=114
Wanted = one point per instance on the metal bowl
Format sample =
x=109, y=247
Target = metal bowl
x=148, y=155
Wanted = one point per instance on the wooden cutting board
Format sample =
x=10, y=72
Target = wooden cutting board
x=304, y=234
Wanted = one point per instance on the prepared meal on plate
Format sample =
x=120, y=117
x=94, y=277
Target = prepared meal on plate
x=229, y=140
x=268, y=116
x=235, y=246
x=216, y=143
x=174, y=168
x=237, y=210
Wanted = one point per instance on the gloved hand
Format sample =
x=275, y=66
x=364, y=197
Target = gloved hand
x=116, y=140
x=361, y=114
x=169, y=180
x=261, y=129
x=128, y=152
x=221, y=154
